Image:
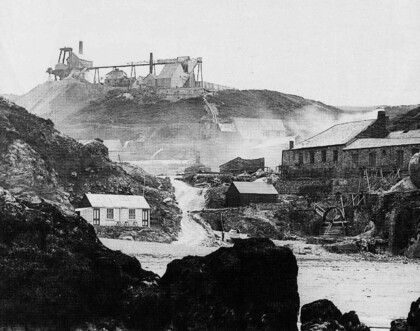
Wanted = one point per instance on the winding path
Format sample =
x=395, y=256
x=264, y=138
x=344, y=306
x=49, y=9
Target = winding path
x=190, y=198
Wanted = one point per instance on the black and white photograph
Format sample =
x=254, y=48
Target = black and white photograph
x=210, y=165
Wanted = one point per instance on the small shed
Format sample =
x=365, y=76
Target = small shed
x=115, y=210
x=244, y=193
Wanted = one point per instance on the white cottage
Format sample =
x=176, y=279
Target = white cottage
x=115, y=210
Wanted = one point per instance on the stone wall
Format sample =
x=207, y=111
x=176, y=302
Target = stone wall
x=386, y=157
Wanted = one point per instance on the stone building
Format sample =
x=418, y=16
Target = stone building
x=345, y=148
x=240, y=165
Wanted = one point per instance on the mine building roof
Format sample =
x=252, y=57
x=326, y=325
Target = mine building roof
x=381, y=142
x=255, y=188
x=116, y=201
x=338, y=134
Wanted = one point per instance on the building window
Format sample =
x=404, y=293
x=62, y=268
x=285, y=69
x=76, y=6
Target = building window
x=96, y=218
x=355, y=159
x=300, y=158
x=372, y=160
x=145, y=215
x=400, y=158
x=414, y=151
x=311, y=157
x=131, y=214
x=335, y=155
x=324, y=156
x=110, y=214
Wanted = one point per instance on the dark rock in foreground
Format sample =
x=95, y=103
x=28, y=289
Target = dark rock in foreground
x=252, y=286
x=324, y=315
x=55, y=272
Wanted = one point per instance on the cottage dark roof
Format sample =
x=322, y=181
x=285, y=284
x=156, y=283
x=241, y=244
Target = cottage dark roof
x=255, y=188
x=117, y=201
x=381, y=142
x=338, y=134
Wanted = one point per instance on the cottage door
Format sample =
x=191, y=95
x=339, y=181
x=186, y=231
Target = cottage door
x=96, y=214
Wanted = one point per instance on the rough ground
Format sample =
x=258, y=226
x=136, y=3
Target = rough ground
x=38, y=162
x=379, y=291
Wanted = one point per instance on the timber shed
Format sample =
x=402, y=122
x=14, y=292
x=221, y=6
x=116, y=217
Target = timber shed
x=244, y=193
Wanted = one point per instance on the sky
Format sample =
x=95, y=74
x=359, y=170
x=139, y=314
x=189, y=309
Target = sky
x=353, y=53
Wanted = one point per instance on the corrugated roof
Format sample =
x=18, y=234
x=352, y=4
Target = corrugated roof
x=338, y=134
x=381, y=142
x=405, y=134
x=117, y=201
x=257, y=128
x=255, y=188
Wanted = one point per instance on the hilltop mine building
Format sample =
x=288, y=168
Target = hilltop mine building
x=239, y=165
x=69, y=64
x=115, y=210
x=344, y=149
x=244, y=193
x=117, y=78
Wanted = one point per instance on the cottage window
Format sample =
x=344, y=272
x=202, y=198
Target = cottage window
x=355, y=159
x=372, y=160
x=324, y=156
x=414, y=151
x=400, y=158
x=145, y=215
x=312, y=157
x=132, y=214
x=110, y=214
x=335, y=155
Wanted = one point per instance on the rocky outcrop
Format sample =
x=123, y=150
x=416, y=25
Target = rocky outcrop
x=252, y=221
x=215, y=197
x=412, y=323
x=38, y=162
x=324, y=315
x=55, y=272
x=252, y=286
x=414, y=169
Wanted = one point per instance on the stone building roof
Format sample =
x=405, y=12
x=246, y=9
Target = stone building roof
x=381, y=142
x=255, y=188
x=338, y=134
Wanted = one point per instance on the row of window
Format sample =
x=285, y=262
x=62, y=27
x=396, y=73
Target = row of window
x=399, y=157
x=355, y=157
x=323, y=156
x=131, y=214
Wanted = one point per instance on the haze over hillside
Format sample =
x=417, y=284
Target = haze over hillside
x=154, y=127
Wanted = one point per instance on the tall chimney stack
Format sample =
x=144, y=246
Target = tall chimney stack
x=291, y=144
x=80, y=47
x=151, y=64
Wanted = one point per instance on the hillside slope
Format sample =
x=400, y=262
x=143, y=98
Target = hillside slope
x=56, y=99
x=406, y=121
x=38, y=162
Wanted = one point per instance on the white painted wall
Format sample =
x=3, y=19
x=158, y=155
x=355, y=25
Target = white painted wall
x=120, y=215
